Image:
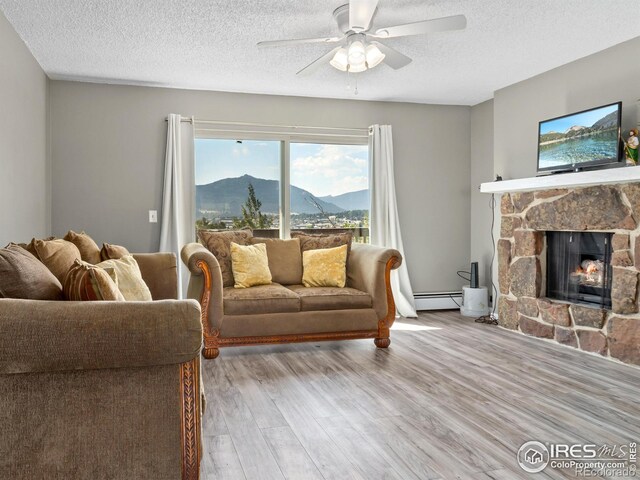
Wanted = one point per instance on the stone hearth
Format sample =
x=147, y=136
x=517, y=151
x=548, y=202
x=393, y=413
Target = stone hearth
x=525, y=216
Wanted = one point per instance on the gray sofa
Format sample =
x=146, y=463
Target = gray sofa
x=293, y=313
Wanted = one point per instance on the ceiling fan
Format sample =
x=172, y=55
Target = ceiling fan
x=358, y=48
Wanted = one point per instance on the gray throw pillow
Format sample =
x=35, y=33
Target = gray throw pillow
x=23, y=276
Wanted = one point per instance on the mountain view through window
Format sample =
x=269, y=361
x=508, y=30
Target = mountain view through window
x=238, y=185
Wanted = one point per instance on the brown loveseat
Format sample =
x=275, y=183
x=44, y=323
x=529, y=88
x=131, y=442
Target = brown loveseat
x=102, y=389
x=293, y=313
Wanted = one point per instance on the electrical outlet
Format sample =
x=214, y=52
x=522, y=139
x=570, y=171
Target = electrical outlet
x=153, y=216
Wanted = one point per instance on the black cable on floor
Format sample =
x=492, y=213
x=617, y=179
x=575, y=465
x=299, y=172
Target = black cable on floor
x=488, y=319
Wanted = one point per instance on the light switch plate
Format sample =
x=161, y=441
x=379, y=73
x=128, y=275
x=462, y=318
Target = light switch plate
x=153, y=216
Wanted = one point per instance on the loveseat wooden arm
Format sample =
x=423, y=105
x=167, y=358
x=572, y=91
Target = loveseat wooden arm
x=205, y=285
x=369, y=270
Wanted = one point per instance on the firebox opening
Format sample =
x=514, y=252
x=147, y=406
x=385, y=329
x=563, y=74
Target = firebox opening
x=579, y=267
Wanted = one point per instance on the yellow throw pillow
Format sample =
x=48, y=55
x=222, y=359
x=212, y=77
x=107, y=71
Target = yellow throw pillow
x=326, y=267
x=128, y=278
x=250, y=265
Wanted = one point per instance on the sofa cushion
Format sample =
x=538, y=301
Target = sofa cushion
x=330, y=298
x=285, y=259
x=89, y=250
x=112, y=252
x=86, y=282
x=273, y=298
x=128, y=278
x=310, y=241
x=219, y=243
x=23, y=276
x=326, y=267
x=58, y=255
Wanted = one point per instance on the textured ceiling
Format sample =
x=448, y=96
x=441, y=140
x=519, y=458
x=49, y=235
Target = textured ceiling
x=210, y=44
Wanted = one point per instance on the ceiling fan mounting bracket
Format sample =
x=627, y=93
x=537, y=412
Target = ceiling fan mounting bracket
x=341, y=16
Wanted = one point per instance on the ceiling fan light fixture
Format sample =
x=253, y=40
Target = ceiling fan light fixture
x=357, y=68
x=356, y=53
x=374, y=56
x=340, y=60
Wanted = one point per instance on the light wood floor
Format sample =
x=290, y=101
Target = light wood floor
x=450, y=399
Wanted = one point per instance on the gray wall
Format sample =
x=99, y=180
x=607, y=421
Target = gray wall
x=605, y=77
x=481, y=171
x=24, y=183
x=108, y=147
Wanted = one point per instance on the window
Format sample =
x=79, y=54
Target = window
x=237, y=184
x=278, y=185
x=330, y=188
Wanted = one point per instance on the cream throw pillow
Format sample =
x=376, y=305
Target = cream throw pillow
x=128, y=278
x=250, y=265
x=325, y=267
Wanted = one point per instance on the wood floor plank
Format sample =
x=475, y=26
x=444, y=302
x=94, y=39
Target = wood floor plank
x=213, y=422
x=501, y=474
x=328, y=458
x=455, y=437
x=291, y=384
x=264, y=411
x=362, y=454
x=292, y=458
x=220, y=460
x=450, y=399
x=253, y=451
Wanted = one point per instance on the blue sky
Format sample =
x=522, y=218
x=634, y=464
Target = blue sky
x=321, y=169
x=218, y=159
x=583, y=119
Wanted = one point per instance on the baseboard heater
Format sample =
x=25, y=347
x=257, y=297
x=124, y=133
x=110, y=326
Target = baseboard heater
x=438, y=301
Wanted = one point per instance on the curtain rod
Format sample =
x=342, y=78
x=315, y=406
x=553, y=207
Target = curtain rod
x=267, y=132
x=248, y=124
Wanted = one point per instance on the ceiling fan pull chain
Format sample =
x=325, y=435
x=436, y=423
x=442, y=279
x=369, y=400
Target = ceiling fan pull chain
x=355, y=91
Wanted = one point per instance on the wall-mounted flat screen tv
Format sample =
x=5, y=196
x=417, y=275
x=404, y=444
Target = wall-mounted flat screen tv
x=580, y=140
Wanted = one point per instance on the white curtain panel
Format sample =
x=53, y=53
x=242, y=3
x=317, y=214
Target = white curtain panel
x=178, y=195
x=384, y=222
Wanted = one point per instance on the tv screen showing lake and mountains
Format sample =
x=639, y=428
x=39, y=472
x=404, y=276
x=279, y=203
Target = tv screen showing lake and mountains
x=580, y=138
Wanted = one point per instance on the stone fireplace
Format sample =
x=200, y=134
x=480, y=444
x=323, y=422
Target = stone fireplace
x=596, y=290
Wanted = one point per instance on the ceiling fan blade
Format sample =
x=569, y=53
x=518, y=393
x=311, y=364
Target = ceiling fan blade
x=455, y=22
x=361, y=13
x=297, y=41
x=318, y=62
x=392, y=57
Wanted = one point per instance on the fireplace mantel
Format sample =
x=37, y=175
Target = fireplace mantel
x=564, y=180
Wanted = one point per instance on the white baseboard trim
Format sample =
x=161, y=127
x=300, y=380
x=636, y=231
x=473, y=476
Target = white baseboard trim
x=437, y=301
